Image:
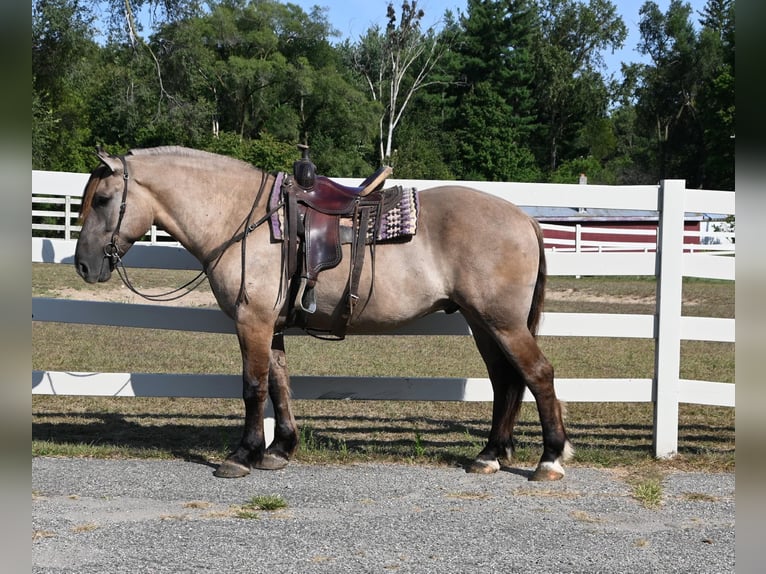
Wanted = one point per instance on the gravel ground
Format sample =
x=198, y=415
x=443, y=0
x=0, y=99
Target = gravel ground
x=97, y=516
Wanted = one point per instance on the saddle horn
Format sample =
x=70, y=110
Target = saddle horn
x=304, y=170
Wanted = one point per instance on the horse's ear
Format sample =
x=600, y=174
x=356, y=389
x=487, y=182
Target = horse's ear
x=108, y=159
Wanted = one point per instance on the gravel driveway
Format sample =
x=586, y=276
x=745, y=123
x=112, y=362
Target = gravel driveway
x=98, y=516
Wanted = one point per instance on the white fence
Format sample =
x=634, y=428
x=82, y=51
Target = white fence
x=666, y=326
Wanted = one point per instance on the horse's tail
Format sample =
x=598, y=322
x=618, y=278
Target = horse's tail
x=538, y=297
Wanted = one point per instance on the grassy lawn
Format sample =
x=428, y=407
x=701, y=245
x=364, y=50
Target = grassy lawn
x=604, y=434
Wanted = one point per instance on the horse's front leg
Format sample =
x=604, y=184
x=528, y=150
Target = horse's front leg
x=285, y=440
x=255, y=345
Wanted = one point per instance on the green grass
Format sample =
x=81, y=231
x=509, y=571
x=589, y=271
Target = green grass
x=604, y=434
x=267, y=502
x=647, y=487
x=649, y=493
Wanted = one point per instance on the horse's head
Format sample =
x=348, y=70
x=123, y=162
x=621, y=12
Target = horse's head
x=115, y=213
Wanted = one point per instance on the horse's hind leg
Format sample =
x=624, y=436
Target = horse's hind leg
x=285, y=434
x=508, y=388
x=537, y=373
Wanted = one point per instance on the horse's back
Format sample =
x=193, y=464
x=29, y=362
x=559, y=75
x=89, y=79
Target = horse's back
x=469, y=220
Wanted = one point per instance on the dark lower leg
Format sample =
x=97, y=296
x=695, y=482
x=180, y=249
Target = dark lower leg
x=505, y=409
x=508, y=391
x=556, y=447
x=285, y=431
x=250, y=450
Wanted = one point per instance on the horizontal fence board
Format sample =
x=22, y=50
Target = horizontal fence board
x=706, y=393
x=59, y=183
x=595, y=325
x=600, y=264
x=636, y=197
x=174, y=256
x=705, y=266
x=712, y=202
x=306, y=387
x=166, y=255
x=204, y=320
x=213, y=320
x=717, y=329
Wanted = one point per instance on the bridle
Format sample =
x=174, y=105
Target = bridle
x=112, y=253
x=112, y=250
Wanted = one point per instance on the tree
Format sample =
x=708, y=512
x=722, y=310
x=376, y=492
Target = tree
x=569, y=87
x=262, y=69
x=494, y=114
x=716, y=103
x=62, y=77
x=666, y=95
x=395, y=65
x=685, y=98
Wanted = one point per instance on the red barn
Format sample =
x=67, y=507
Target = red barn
x=593, y=229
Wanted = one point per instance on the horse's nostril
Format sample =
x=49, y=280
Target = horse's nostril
x=82, y=269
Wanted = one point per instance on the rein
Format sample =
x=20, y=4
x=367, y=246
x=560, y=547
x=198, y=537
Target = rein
x=112, y=250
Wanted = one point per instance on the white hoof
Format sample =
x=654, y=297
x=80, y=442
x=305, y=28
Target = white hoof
x=479, y=466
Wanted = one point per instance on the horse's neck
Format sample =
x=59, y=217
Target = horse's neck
x=208, y=211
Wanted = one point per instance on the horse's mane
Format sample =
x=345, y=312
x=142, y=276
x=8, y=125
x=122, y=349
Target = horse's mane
x=186, y=152
x=103, y=171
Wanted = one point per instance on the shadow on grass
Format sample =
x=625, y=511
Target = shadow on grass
x=202, y=437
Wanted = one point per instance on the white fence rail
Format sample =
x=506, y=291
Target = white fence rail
x=666, y=326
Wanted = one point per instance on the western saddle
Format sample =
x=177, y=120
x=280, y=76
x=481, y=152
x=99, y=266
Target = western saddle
x=321, y=215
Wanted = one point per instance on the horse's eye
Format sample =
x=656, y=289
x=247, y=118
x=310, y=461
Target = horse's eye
x=101, y=200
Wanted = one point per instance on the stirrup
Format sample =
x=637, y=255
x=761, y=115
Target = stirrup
x=306, y=300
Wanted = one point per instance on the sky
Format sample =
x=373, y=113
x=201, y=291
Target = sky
x=352, y=18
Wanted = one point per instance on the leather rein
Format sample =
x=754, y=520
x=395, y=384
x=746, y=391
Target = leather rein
x=112, y=250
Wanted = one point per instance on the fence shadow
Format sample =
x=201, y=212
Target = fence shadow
x=206, y=438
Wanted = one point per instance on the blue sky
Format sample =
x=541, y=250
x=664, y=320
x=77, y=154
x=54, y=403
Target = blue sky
x=353, y=17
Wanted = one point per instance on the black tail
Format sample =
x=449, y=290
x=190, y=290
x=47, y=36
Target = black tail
x=538, y=298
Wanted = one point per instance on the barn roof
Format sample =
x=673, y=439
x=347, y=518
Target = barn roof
x=590, y=215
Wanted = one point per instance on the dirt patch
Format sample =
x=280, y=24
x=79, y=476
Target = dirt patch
x=122, y=294
x=581, y=296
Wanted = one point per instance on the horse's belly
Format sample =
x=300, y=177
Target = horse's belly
x=405, y=287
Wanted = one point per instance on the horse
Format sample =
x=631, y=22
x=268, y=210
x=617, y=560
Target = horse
x=472, y=252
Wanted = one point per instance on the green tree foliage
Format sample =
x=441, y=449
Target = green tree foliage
x=494, y=117
x=570, y=91
x=715, y=105
x=685, y=96
x=666, y=98
x=395, y=64
x=62, y=51
x=509, y=90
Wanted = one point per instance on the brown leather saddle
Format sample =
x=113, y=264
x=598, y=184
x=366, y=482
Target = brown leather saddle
x=320, y=216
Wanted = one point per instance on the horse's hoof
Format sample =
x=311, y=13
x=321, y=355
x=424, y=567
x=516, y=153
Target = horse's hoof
x=547, y=471
x=231, y=469
x=271, y=461
x=479, y=466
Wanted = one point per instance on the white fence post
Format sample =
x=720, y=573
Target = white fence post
x=667, y=350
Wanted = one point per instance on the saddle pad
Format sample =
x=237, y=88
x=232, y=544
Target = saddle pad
x=402, y=220
x=399, y=222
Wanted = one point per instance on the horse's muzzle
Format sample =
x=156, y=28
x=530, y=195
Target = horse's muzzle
x=99, y=273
